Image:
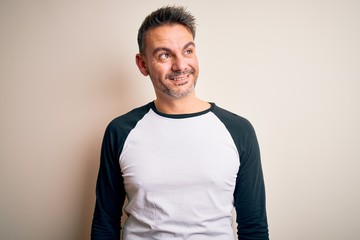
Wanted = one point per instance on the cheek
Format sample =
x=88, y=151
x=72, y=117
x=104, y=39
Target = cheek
x=196, y=62
x=159, y=70
x=193, y=63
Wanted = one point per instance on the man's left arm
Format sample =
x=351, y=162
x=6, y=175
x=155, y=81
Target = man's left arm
x=249, y=194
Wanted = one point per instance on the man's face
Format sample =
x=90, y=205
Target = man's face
x=170, y=61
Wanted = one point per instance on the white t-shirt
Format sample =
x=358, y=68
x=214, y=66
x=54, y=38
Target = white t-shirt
x=182, y=175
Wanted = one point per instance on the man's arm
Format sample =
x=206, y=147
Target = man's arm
x=110, y=193
x=249, y=195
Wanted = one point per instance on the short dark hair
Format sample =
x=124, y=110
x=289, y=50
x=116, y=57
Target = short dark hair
x=162, y=16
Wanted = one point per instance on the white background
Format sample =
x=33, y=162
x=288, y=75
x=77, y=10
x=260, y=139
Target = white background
x=291, y=67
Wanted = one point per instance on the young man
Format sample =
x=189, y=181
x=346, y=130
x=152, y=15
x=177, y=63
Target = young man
x=183, y=163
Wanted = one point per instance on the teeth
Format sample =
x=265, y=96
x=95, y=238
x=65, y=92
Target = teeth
x=178, y=79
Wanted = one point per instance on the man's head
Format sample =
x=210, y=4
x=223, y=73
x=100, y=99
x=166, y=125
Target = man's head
x=168, y=55
x=165, y=15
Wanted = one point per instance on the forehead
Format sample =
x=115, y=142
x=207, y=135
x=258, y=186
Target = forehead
x=168, y=35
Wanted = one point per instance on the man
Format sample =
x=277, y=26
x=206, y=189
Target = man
x=183, y=163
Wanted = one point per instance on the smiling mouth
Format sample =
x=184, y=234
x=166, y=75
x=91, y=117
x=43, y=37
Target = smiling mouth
x=179, y=78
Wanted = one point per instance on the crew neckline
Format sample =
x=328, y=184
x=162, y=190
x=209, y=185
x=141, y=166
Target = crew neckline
x=182, y=115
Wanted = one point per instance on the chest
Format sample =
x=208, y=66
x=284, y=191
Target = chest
x=164, y=153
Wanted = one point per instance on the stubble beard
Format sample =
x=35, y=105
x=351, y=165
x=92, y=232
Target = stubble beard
x=178, y=93
x=168, y=89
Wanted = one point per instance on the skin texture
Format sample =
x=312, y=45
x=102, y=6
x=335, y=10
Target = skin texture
x=171, y=62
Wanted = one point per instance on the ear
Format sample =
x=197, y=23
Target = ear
x=140, y=62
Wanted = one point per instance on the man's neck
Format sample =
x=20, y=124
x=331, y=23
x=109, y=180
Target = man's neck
x=184, y=105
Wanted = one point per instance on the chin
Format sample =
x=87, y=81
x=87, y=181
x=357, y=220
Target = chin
x=183, y=93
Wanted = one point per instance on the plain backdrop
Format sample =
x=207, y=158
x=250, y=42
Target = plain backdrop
x=292, y=67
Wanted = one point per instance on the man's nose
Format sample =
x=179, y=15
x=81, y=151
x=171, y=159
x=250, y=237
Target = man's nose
x=178, y=64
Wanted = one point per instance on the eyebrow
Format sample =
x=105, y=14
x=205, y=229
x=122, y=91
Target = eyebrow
x=168, y=49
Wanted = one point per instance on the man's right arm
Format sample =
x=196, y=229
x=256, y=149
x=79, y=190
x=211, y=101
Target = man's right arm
x=110, y=193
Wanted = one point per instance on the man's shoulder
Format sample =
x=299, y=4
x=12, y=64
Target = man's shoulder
x=231, y=119
x=129, y=119
x=240, y=128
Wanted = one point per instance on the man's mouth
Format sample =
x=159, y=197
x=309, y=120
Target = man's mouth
x=179, y=78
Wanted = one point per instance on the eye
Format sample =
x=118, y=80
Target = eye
x=188, y=51
x=164, y=56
